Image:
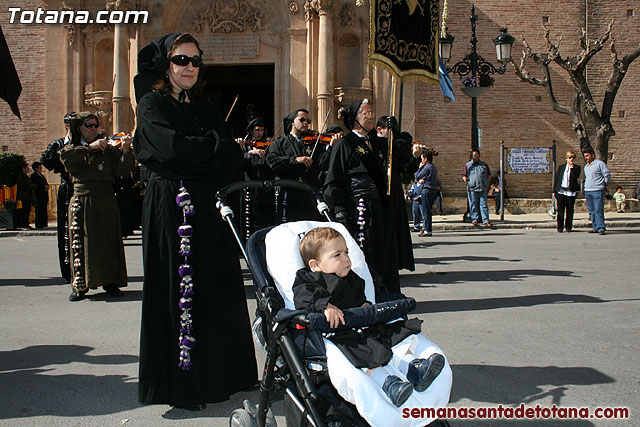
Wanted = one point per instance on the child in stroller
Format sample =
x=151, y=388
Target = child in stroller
x=328, y=285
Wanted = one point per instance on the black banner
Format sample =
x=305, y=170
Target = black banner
x=404, y=37
x=10, y=87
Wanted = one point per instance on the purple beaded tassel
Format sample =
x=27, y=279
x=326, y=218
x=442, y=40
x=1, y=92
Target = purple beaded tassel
x=361, y=222
x=186, y=342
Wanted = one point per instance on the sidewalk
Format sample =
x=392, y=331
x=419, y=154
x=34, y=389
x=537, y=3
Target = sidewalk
x=539, y=220
x=454, y=222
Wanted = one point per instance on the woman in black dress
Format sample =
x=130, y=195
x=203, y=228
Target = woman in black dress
x=195, y=343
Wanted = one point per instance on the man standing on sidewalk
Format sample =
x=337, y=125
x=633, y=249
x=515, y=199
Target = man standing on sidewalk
x=596, y=177
x=476, y=174
x=427, y=177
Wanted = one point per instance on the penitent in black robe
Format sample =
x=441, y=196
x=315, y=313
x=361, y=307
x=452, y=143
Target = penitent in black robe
x=358, y=172
x=190, y=142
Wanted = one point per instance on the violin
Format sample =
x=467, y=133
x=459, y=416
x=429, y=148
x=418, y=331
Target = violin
x=426, y=148
x=115, y=140
x=260, y=145
x=314, y=136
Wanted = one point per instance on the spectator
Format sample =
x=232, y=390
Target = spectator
x=414, y=195
x=27, y=196
x=620, y=198
x=42, y=194
x=427, y=177
x=476, y=175
x=596, y=177
x=565, y=189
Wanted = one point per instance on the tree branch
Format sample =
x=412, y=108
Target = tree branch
x=524, y=76
x=620, y=67
x=588, y=51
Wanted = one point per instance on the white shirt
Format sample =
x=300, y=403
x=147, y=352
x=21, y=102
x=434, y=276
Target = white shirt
x=565, y=183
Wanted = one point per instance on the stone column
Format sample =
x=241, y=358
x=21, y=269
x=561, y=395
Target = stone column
x=122, y=111
x=309, y=14
x=325, y=59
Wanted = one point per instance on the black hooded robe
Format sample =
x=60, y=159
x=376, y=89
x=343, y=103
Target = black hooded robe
x=190, y=142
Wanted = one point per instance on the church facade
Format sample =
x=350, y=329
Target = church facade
x=268, y=57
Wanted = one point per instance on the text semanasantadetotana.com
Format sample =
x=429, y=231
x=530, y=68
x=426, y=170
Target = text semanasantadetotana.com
x=519, y=412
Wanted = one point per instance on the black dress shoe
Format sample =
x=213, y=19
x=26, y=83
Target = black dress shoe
x=113, y=290
x=192, y=407
x=76, y=296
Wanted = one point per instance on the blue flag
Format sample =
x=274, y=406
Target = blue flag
x=445, y=82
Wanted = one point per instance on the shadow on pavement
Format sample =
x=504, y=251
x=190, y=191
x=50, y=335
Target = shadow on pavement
x=49, y=281
x=27, y=390
x=100, y=295
x=450, y=260
x=431, y=243
x=512, y=385
x=443, y=306
x=452, y=277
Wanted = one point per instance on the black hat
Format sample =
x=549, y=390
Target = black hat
x=334, y=129
x=350, y=112
x=153, y=63
x=69, y=116
x=258, y=121
x=78, y=120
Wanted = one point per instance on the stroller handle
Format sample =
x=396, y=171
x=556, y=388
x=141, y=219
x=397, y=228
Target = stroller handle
x=221, y=195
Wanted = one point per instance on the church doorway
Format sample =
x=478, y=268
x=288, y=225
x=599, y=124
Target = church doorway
x=253, y=83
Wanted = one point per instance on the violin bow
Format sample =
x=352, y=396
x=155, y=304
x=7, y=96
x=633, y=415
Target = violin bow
x=324, y=125
x=231, y=109
x=277, y=131
x=411, y=124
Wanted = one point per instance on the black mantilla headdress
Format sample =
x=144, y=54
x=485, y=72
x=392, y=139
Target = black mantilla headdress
x=350, y=112
x=153, y=64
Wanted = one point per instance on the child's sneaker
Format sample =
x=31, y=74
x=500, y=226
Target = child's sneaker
x=397, y=390
x=422, y=372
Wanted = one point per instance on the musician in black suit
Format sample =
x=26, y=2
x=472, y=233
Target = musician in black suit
x=565, y=189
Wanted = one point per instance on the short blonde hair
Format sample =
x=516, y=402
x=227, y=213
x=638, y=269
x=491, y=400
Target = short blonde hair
x=570, y=153
x=313, y=242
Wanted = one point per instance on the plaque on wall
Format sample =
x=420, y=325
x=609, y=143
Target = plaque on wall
x=529, y=160
x=225, y=46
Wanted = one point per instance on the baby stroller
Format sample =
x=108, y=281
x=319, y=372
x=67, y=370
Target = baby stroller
x=321, y=387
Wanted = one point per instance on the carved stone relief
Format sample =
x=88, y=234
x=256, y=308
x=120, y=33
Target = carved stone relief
x=309, y=11
x=230, y=16
x=293, y=7
x=347, y=15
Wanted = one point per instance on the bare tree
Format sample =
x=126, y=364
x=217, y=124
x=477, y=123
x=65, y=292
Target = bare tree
x=588, y=123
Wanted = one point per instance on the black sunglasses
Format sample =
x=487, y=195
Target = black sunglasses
x=302, y=120
x=571, y=157
x=91, y=125
x=183, y=60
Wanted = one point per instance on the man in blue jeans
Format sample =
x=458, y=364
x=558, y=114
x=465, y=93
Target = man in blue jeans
x=476, y=174
x=596, y=177
x=427, y=177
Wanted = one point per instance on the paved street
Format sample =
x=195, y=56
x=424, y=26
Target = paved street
x=524, y=315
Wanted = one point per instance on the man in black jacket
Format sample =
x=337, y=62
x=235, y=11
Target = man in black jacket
x=289, y=157
x=51, y=160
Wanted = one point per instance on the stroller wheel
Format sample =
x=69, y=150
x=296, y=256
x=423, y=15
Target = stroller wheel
x=246, y=417
x=241, y=418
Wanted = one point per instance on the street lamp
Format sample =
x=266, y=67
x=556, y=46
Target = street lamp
x=474, y=64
